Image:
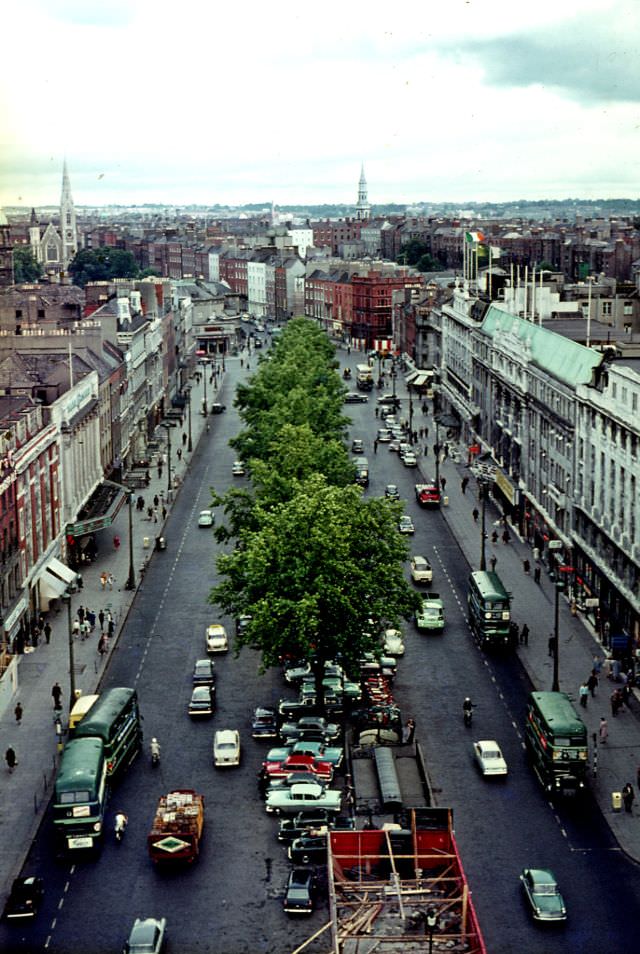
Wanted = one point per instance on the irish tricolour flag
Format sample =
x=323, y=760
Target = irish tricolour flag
x=474, y=238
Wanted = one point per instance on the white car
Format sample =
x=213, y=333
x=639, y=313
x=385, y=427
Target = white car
x=206, y=518
x=489, y=758
x=405, y=525
x=238, y=469
x=421, y=571
x=410, y=459
x=217, y=639
x=392, y=642
x=226, y=748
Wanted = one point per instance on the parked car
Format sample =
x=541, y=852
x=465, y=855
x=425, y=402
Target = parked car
x=355, y=397
x=309, y=849
x=217, y=639
x=320, y=771
x=357, y=446
x=226, y=748
x=384, y=435
x=148, y=936
x=206, y=518
x=391, y=492
x=237, y=469
x=202, y=703
x=333, y=754
x=217, y=408
x=393, y=643
x=242, y=623
x=204, y=673
x=410, y=459
x=394, y=445
x=265, y=723
x=405, y=524
x=303, y=795
x=25, y=898
x=543, y=895
x=299, y=895
x=294, y=826
x=489, y=758
x=390, y=400
x=421, y=571
x=310, y=727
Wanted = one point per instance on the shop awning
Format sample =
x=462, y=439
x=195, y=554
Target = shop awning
x=54, y=580
x=100, y=510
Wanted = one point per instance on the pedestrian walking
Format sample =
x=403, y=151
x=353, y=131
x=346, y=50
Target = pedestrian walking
x=164, y=513
x=10, y=758
x=536, y=575
x=140, y=503
x=85, y=629
x=524, y=635
x=464, y=483
x=91, y=619
x=179, y=453
x=443, y=483
x=583, y=692
x=56, y=693
x=436, y=450
x=75, y=628
x=592, y=683
x=18, y=713
x=628, y=796
x=156, y=500
x=603, y=731
x=505, y=536
x=552, y=645
x=475, y=514
x=103, y=645
x=110, y=581
x=616, y=702
x=375, y=447
x=494, y=537
x=597, y=664
x=116, y=542
x=111, y=627
x=426, y=432
x=35, y=637
x=184, y=439
x=149, y=513
x=101, y=620
x=492, y=563
x=526, y=566
x=160, y=469
x=446, y=451
x=80, y=612
x=155, y=514
x=377, y=412
x=47, y=632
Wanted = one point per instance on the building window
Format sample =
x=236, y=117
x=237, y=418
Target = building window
x=606, y=309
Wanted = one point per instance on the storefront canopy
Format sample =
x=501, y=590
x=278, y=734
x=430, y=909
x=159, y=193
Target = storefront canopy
x=55, y=579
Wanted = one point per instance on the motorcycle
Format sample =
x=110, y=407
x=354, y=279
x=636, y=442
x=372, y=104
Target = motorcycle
x=120, y=825
x=155, y=753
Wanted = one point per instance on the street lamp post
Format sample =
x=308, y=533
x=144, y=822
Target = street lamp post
x=410, y=415
x=436, y=451
x=393, y=379
x=131, y=579
x=190, y=443
x=167, y=425
x=66, y=596
x=559, y=586
x=483, y=493
x=204, y=375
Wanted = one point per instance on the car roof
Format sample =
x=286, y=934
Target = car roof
x=420, y=559
x=226, y=735
x=201, y=691
x=301, y=787
x=542, y=876
x=488, y=744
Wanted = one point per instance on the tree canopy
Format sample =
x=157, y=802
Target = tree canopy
x=25, y=267
x=102, y=264
x=318, y=567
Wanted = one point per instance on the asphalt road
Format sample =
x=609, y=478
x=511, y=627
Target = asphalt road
x=230, y=900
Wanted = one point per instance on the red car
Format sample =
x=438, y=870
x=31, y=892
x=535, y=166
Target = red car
x=320, y=771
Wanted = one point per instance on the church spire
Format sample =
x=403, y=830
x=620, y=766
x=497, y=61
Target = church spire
x=363, y=209
x=68, y=230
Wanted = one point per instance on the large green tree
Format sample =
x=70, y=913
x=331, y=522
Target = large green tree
x=102, y=264
x=25, y=267
x=320, y=576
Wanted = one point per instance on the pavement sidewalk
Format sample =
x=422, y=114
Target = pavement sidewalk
x=611, y=765
x=24, y=793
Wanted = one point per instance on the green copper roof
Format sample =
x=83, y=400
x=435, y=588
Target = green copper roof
x=560, y=357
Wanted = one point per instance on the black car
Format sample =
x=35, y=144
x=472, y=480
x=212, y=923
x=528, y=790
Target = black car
x=308, y=849
x=391, y=492
x=389, y=400
x=25, y=898
x=310, y=727
x=218, y=408
x=204, y=672
x=265, y=723
x=354, y=397
x=302, y=823
x=299, y=896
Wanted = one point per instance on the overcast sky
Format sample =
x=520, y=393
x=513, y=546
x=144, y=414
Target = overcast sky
x=202, y=101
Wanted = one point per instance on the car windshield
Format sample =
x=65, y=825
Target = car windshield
x=431, y=611
x=545, y=889
x=491, y=754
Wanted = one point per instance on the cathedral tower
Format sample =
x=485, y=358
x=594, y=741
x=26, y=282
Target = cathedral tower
x=68, y=230
x=363, y=209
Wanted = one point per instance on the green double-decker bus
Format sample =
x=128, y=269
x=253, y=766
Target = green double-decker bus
x=489, y=610
x=80, y=795
x=556, y=740
x=114, y=718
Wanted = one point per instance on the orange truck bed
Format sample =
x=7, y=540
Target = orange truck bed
x=177, y=827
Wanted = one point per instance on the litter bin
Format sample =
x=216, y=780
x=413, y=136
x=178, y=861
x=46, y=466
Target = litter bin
x=161, y=543
x=145, y=543
x=445, y=501
x=616, y=801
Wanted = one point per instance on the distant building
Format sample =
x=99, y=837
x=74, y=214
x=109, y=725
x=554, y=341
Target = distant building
x=55, y=247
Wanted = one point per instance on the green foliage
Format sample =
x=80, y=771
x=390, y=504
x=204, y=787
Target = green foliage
x=25, y=267
x=412, y=252
x=102, y=264
x=321, y=575
x=427, y=263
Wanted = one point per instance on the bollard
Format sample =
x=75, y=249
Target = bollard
x=616, y=801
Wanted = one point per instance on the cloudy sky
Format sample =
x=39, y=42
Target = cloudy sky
x=199, y=101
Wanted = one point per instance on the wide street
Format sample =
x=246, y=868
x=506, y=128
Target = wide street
x=229, y=902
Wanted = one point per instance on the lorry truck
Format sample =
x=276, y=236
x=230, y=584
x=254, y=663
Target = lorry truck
x=177, y=827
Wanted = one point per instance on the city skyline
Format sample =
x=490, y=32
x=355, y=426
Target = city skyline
x=284, y=106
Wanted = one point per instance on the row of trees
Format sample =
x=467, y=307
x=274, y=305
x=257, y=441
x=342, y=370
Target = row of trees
x=317, y=567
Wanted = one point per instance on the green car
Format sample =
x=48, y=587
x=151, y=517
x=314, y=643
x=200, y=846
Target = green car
x=430, y=617
x=542, y=894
